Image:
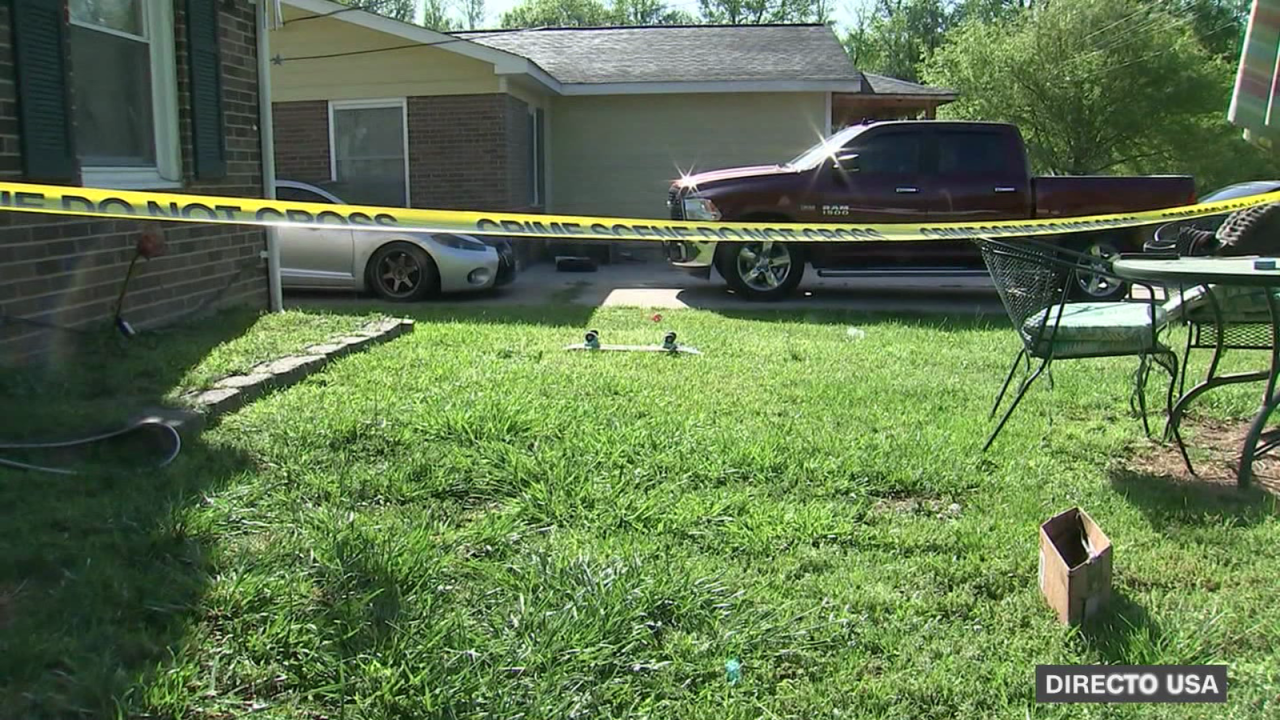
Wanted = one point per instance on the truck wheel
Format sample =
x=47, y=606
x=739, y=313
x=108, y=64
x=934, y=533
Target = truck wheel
x=1092, y=287
x=761, y=270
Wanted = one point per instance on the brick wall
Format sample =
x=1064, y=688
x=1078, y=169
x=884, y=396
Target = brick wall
x=302, y=140
x=68, y=270
x=457, y=153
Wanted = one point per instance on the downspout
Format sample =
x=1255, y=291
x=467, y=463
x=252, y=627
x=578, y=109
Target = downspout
x=266, y=134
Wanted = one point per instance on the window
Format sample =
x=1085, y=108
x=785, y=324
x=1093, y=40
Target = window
x=537, y=158
x=975, y=153
x=368, y=144
x=888, y=154
x=124, y=86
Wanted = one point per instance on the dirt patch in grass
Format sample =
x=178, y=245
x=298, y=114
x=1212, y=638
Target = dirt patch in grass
x=1214, y=447
x=939, y=509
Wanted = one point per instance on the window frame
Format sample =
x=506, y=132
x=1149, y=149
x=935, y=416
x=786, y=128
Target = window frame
x=1009, y=162
x=922, y=149
x=537, y=170
x=157, y=19
x=372, y=104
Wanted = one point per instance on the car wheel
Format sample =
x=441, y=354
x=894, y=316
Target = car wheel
x=402, y=272
x=762, y=270
x=1093, y=287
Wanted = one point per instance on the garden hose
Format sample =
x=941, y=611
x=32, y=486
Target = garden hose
x=172, y=437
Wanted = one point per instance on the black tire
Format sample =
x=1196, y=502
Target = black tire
x=1099, y=288
x=402, y=272
x=743, y=266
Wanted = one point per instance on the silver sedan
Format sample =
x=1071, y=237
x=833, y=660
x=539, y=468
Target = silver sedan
x=395, y=264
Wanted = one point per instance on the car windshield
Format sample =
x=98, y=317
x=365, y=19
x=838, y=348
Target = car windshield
x=814, y=155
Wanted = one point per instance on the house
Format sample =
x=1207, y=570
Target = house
x=134, y=94
x=593, y=121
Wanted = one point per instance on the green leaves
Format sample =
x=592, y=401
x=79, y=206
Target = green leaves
x=1100, y=87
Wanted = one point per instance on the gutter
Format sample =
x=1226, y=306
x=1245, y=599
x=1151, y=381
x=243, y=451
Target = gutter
x=266, y=135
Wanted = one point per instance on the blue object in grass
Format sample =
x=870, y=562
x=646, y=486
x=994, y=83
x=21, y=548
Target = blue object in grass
x=733, y=671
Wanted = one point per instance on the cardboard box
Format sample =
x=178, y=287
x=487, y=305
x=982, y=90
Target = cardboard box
x=1075, y=565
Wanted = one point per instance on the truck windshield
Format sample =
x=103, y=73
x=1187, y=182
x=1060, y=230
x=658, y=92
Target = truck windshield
x=813, y=156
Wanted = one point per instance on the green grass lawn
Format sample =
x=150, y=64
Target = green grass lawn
x=470, y=522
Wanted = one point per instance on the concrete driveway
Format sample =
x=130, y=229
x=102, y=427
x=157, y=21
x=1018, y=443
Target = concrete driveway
x=654, y=284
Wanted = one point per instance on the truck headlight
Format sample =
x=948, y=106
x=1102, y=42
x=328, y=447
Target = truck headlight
x=700, y=208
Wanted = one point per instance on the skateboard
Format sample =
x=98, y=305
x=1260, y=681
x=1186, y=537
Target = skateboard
x=669, y=345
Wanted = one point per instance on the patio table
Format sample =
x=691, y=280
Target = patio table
x=1205, y=273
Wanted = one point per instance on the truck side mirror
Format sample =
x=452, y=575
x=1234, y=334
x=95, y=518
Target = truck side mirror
x=847, y=162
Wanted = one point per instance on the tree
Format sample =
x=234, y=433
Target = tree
x=435, y=15
x=556, y=13
x=398, y=9
x=892, y=37
x=1219, y=24
x=647, y=12
x=754, y=12
x=1098, y=86
x=473, y=13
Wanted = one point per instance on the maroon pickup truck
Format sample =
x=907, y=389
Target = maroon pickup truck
x=902, y=171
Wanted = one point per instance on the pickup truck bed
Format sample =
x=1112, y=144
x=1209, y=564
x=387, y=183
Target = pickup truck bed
x=1074, y=196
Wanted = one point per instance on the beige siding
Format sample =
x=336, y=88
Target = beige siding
x=617, y=155
x=406, y=72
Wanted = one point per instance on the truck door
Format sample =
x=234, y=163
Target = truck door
x=982, y=174
x=877, y=178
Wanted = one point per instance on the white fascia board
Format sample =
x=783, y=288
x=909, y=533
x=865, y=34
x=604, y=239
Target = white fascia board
x=730, y=86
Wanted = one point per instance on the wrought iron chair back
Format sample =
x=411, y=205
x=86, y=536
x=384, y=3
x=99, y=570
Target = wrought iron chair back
x=1034, y=281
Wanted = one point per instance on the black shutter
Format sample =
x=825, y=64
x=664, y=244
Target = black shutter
x=533, y=157
x=207, y=138
x=45, y=130
x=540, y=150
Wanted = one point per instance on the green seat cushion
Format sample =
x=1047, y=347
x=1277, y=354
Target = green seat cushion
x=1090, y=329
x=1237, y=304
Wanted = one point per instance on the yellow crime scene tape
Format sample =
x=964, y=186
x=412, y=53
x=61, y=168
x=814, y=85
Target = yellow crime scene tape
x=177, y=207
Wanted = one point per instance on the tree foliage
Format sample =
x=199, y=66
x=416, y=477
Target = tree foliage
x=435, y=15
x=1100, y=86
x=892, y=37
x=398, y=9
x=473, y=13
x=587, y=13
x=754, y=12
x=557, y=13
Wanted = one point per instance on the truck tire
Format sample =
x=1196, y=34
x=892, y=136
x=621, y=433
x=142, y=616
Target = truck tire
x=757, y=272
x=1098, y=288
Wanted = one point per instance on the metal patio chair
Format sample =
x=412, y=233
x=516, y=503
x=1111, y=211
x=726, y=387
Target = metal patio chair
x=1034, y=281
x=1219, y=318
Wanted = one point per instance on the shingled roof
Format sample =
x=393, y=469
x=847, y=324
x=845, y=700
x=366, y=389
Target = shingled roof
x=885, y=85
x=697, y=53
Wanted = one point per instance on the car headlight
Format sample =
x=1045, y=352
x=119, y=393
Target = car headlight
x=700, y=208
x=457, y=242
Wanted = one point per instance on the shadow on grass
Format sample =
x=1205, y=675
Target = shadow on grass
x=1122, y=634
x=1171, y=502
x=89, y=382
x=471, y=307
x=964, y=306
x=101, y=572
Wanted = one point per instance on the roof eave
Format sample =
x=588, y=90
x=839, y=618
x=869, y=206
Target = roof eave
x=504, y=63
x=724, y=86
